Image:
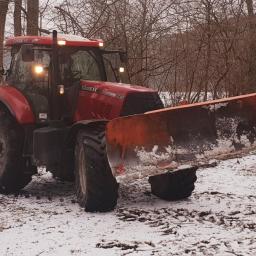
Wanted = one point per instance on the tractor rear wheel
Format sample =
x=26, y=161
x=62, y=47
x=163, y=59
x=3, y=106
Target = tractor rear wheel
x=96, y=188
x=174, y=185
x=15, y=170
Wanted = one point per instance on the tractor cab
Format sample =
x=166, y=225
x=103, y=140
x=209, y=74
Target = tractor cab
x=48, y=71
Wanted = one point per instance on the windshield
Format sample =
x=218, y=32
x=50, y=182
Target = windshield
x=21, y=73
x=80, y=64
x=113, y=64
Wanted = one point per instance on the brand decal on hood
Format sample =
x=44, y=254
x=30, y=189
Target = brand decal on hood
x=89, y=88
x=103, y=92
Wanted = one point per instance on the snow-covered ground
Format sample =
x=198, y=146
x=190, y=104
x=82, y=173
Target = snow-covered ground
x=218, y=219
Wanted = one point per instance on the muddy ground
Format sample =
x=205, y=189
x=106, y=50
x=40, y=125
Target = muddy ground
x=218, y=219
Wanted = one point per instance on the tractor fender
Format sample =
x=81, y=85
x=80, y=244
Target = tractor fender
x=16, y=103
x=82, y=125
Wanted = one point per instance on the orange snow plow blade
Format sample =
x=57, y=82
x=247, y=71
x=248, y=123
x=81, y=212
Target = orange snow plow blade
x=193, y=134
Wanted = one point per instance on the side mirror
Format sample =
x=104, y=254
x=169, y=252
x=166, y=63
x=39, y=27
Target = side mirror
x=123, y=57
x=27, y=52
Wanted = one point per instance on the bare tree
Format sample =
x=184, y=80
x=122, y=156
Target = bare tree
x=17, y=17
x=251, y=87
x=32, y=17
x=195, y=49
x=3, y=12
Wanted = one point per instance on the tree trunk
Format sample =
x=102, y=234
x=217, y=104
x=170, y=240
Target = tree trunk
x=251, y=87
x=3, y=12
x=32, y=17
x=17, y=17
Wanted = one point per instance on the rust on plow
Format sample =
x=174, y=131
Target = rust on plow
x=185, y=135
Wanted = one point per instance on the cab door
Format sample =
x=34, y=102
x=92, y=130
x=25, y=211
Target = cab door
x=34, y=86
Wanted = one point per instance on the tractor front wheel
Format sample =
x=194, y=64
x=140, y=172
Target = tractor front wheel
x=15, y=170
x=65, y=170
x=96, y=188
x=174, y=185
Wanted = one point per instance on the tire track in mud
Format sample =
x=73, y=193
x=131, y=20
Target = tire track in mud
x=169, y=220
x=176, y=226
x=227, y=219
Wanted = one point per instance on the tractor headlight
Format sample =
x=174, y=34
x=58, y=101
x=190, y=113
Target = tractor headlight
x=61, y=89
x=38, y=69
x=121, y=69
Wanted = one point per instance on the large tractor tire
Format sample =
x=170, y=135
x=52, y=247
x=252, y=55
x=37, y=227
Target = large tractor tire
x=174, y=185
x=96, y=188
x=15, y=170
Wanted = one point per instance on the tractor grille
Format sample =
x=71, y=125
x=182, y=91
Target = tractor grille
x=138, y=103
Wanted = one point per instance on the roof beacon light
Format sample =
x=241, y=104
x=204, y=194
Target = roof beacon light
x=61, y=42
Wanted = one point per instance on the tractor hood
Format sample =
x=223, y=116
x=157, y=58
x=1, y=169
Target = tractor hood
x=106, y=100
x=115, y=90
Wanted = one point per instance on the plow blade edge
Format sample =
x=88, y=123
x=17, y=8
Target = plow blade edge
x=167, y=139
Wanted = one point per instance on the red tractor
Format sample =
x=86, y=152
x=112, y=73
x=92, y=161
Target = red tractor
x=57, y=98
x=63, y=106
